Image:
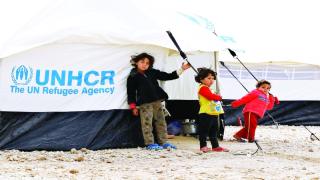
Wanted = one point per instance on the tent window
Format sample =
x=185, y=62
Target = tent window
x=272, y=71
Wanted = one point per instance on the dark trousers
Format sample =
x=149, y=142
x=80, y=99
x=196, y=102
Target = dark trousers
x=208, y=126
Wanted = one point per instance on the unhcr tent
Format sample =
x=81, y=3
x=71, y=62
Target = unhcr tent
x=295, y=82
x=63, y=72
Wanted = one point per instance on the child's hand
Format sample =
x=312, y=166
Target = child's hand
x=135, y=112
x=276, y=100
x=235, y=104
x=185, y=66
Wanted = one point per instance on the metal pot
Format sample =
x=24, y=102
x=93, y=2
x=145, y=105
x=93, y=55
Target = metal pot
x=189, y=127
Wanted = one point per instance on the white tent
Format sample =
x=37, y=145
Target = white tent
x=100, y=22
x=71, y=48
x=74, y=56
x=65, y=67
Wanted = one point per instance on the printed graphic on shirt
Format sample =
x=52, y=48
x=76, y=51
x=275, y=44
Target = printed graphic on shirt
x=215, y=106
x=263, y=98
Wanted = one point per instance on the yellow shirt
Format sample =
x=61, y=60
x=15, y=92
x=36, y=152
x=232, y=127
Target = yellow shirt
x=209, y=106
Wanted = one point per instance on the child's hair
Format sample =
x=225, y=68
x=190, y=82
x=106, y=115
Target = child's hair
x=203, y=73
x=262, y=82
x=136, y=58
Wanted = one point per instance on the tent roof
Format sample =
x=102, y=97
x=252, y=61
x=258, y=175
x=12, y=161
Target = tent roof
x=106, y=22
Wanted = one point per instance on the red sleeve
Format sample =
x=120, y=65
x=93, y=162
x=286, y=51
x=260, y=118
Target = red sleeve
x=244, y=100
x=132, y=105
x=276, y=100
x=206, y=92
x=271, y=102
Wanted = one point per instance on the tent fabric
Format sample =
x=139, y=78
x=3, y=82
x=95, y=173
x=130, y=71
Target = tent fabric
x=186, y=88
x=101, y=23
x=290, y=81
x=286, y=113
x=66, y=130
x=64, y=77
x=107, y=22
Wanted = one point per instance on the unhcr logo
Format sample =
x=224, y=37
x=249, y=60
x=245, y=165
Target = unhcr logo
x=21, y=75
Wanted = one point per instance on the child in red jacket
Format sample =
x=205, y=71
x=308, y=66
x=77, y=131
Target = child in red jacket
x=256, y=103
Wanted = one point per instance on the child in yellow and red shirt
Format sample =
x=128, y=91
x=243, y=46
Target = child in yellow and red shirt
x=210, y=108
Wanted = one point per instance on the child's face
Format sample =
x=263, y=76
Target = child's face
x=143, y=64
x=265, y=88
x=208, y=81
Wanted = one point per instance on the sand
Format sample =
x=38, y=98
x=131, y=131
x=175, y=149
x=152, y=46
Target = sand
x=287, y=153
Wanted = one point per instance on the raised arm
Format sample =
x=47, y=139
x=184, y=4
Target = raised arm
x=244, y=100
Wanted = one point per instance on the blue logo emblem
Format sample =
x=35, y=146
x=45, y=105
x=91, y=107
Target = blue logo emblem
x=218, y=106
x=21, y=75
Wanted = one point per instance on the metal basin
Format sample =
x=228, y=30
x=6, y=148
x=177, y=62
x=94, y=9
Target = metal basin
x=189, y=127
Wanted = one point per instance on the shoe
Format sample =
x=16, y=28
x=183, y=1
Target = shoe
x=239, y=139
x=154, y=147
x=205, y=149
x=168, y=146
x=220, y=149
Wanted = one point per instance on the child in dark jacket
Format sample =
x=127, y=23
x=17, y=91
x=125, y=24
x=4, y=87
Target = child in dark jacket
x=144, y=91
x=210, y=109
x=256, y=103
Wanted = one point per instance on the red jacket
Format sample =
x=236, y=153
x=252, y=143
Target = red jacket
x=256, y=102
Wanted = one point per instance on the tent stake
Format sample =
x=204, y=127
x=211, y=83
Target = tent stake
x=312, y=134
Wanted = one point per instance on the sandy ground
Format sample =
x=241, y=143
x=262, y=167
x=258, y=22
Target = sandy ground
x=288, y=153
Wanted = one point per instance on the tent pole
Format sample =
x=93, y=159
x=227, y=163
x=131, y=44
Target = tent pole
x=182, y=54
x=216, y=68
